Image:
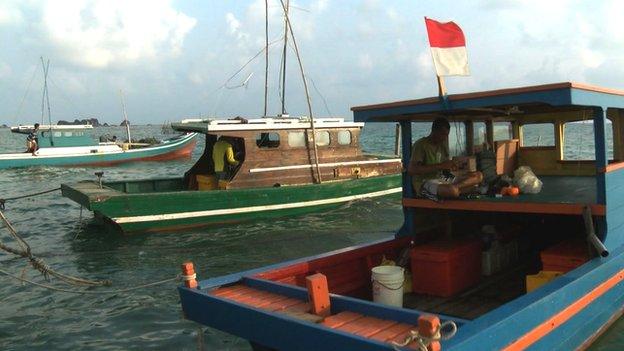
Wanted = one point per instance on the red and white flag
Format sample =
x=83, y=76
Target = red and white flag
x=448, y=48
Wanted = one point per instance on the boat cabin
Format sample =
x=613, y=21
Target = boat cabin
x=536, y=270
x=280, y=151
x=60, y=135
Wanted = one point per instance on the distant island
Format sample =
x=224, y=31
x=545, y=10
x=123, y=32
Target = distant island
x=92, y=121
x=4, y=126
x=123, y=123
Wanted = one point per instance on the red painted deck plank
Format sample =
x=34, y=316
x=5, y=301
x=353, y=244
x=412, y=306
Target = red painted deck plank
x=340, y=319
x=280, y=305
x=300, y=307
x=229, y=291
x=375, y=327
x=359, y=324
x=393, y=332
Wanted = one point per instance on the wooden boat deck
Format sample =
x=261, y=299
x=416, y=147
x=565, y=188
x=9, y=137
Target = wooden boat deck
x=378, y=329
x=559, y=195
x=493, y=292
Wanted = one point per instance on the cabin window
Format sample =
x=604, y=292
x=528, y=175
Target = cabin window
x=538, y=135
x=578, y=141
x=67, y=134
x=344, y=137
x=267, y=140
x=456, y=139
x=296, y=139
x=56, y=134
x=503, y=131
x=322, y=138
x=480, y=133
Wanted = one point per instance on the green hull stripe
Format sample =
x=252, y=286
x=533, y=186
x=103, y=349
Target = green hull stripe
x=208, y=213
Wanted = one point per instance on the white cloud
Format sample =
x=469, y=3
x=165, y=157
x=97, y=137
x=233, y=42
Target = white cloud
x=103, y=33
x=10, y=13
x=365, y=61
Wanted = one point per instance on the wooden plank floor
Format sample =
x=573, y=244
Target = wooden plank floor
x=491, y=293
x=350, y=322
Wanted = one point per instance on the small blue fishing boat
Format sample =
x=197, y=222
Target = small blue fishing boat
x=74, y=146
x=540, y=271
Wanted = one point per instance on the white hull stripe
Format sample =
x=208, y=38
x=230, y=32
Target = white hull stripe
x=182, y=215
x=334, y=164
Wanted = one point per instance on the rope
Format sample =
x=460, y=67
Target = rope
x=105, y=292
x=422, y=341
x=4, y=200
x=38, y=263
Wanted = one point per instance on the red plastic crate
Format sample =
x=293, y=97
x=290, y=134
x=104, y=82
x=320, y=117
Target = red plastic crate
x=564, y=256
x=445, y=268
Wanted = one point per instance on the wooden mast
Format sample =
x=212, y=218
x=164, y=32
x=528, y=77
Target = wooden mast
x=266, y=55
x=286, y=25
x=123, y=107
x=307, y=92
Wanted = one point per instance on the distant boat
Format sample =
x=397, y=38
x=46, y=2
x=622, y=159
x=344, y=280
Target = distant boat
x=72, y=145
x=274, y=178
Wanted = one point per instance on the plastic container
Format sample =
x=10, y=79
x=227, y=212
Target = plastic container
x=206, y=182
x=564, y=256
x=445, y=268
x=388, y=285
x=535, y=281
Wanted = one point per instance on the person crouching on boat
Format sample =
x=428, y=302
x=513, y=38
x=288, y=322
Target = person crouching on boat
x=32, y=140
x=430, y=162
x=222, y=156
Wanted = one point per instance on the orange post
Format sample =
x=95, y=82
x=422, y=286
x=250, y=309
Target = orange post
x=318, y=294
x=429, y=326
x=189, y=276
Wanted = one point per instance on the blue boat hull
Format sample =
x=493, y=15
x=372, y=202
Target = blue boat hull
x=568, y=313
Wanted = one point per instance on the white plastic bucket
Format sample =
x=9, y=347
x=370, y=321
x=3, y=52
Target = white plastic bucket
x=388, y=285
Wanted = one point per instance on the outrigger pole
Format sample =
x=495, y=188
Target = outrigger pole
x=305, y=86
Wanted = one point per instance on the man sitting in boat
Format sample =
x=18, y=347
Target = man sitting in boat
x=222, y=154
x=430, y=161
x=32, y=140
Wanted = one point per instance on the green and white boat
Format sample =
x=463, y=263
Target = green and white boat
x=286, y=169
x=73, y=145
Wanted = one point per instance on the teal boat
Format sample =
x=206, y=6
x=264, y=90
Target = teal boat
x=275, y=177
x=74, y=146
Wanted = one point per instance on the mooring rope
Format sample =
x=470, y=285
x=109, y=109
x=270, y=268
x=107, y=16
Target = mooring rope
x=422, y=341
x=38, y=263
x=4, y=200
x=103, y=292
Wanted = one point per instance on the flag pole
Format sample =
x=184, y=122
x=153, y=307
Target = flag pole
x=441, y=87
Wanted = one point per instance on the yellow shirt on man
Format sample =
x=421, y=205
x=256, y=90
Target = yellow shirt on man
x=425, y=152
x=223, y=152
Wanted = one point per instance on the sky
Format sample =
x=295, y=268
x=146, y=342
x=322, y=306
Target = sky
x=172, y=59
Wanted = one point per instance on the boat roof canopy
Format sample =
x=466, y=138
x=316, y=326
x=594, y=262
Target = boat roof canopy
x=503, y=104
x=260, y=124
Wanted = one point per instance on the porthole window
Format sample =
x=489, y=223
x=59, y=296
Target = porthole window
x=296, y=139
x=267, y=140
x=322, y=138
x=344, y=137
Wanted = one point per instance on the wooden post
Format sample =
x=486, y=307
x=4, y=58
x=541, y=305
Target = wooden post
x=397, y=140
x=318, y=293
x=429, y=326
x=188, y=273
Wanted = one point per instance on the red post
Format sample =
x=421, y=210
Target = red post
x=429, y=326
x=188, y=274
x=319, y=294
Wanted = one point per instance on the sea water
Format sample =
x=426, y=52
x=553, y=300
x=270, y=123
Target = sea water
x=34, y=318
